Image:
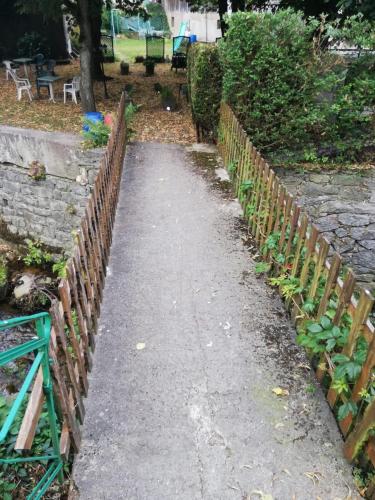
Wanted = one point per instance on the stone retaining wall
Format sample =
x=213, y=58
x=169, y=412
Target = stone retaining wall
x=343, y=207
x=46, y=210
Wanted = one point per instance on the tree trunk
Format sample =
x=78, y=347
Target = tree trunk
x=96, y=25
x=238, y=5
x=86, y=90
x=223, y=8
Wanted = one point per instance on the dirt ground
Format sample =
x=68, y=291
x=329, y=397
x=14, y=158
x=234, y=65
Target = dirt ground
x=152, y=123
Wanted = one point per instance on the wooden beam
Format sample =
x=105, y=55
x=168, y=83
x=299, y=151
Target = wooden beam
x=30, y=420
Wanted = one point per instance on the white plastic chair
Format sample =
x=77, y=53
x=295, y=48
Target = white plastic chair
x=23, y=84
x=72, y=88
x=9, y=69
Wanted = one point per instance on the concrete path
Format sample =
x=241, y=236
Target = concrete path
x=191, y=345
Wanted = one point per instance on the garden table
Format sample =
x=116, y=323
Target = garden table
x=25, y=61
x=50, y=80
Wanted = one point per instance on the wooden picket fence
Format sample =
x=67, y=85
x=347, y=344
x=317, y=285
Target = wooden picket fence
x=75, y=314
x=271, y=210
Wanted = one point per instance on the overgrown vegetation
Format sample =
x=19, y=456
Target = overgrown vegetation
x=3, y=271
x=96, y=134
x=204, y=81
x=293, y=96
x=17, y=480
x=31, y=44
x=36, y=255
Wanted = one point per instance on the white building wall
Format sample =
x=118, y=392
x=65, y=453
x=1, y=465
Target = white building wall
x=204, y=25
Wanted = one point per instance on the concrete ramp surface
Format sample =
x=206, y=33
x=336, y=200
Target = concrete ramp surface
x=190, y=348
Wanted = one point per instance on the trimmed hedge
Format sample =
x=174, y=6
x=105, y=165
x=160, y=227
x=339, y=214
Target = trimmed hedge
x=205, y=83
x=270, y=76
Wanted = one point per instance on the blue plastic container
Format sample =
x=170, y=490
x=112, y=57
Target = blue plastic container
x=193, y=38
x=92, y=117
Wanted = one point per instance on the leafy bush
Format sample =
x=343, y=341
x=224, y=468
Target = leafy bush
x=204, y=80
x=31, y=44
x=96, y=135
x=130, y=112
x=35, y=254
x=158, y=18
x=292, y=95
x=269, y=76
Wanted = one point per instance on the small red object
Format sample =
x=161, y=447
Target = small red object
x=108, y=120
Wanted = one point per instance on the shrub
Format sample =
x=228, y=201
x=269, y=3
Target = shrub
x=292, y=96
x=269, y=76
x=96, y=135
x=31, y=44
x=205, y=80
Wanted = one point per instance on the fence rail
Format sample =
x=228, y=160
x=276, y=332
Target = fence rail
x=75, y=314
x=314, y=286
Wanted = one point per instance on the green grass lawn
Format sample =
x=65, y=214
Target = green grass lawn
x=126, y=48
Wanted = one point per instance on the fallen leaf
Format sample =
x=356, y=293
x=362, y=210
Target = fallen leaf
x=263, y=496
x=233, y=487
x=279, y=391
x=315, y=476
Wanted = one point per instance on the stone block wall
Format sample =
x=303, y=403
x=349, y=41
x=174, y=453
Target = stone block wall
x=46, y=210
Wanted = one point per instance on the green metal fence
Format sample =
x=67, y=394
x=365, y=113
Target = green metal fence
x=40, y=347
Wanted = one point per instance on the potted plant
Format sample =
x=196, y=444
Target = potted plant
x=124, y=68
x=168, y=100
x=150, y=67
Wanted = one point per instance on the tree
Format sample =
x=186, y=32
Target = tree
x=365, y=7
x=86, y=56
x=88, y=16
x=333, y=8
x=220, y=6
x=79, y=10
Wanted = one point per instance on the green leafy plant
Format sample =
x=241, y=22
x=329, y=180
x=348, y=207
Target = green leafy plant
x=3, y=271
x=96, y=133
x=35, y=254
x=32, y=43
x=289, y=285
x=246, y=186
x=322, y=336
x=262, y=267
x=14, y=478
x=130, y=112
x=293, y=97
x=232, y=167
x=59, y=268
x=204, y=83
x=37, y=171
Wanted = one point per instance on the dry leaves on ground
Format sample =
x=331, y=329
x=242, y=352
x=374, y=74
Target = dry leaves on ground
x=152, y=123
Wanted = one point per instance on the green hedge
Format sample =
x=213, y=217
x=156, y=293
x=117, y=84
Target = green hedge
x=269, y=77
x=294, y=98
x=205, y=81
